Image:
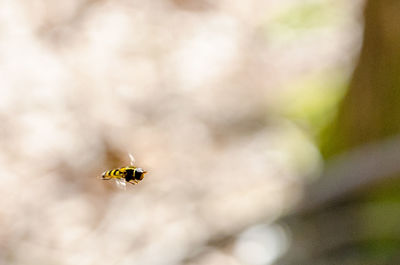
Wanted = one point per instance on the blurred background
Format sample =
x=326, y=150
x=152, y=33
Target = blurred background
x=269, y=130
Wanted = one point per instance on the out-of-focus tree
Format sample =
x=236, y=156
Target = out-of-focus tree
x=352, y=213
x=370, y=111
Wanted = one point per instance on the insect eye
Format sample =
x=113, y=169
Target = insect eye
x=139, y=174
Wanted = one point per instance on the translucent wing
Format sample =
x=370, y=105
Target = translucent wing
x=121, y=184
x=132, y=159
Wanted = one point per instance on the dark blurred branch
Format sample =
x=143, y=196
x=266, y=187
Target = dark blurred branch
x=354, y=170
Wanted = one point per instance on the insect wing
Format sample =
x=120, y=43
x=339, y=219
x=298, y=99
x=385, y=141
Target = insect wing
x=132, y=159
x=121, y=184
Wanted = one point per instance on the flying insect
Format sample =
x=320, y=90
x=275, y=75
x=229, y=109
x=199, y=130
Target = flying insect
x=130, y=174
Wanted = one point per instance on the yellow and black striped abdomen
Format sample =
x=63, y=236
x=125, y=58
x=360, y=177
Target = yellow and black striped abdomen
x=114, y=173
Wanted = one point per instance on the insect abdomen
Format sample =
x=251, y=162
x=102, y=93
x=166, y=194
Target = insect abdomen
x=115, y=173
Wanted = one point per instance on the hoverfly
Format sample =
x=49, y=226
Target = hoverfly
x=130, y=174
